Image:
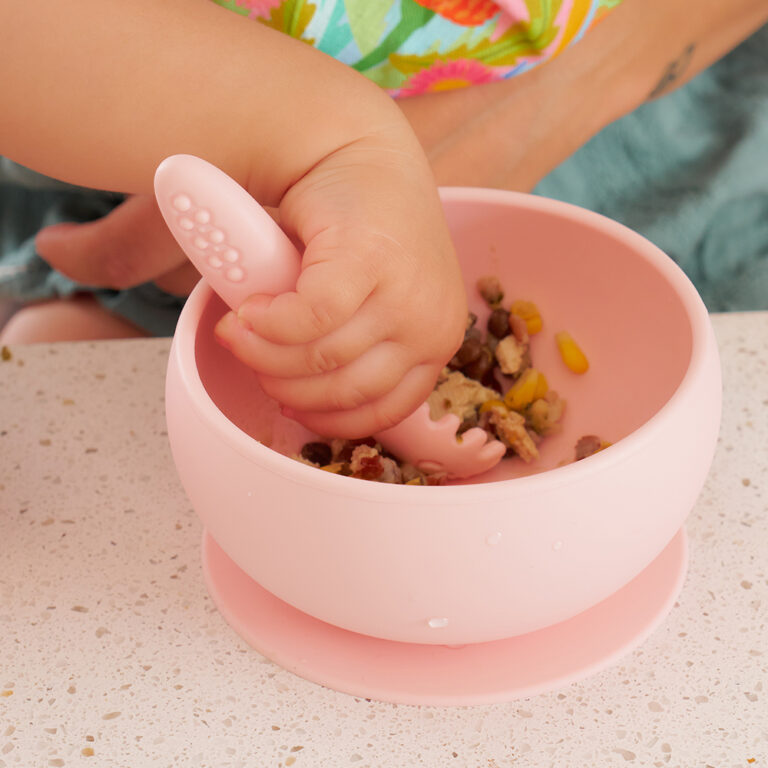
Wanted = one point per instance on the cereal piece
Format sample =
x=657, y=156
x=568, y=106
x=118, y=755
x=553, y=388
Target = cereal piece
x=5, y=353
x=587, y=445
x=490, y=289
x=530, y=313
x=523, y=392
x=391, y=472
x=457, y=394
x=510, y=354
x=544, y=414
x=571, y=353
x=366, y=463
x=510, y=428
x=317, y=453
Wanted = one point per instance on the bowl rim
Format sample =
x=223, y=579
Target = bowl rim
x=183, y=348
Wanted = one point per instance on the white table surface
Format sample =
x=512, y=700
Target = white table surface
x=112, y=654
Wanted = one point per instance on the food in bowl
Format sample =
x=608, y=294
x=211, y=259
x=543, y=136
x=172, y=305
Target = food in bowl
x=489, y=383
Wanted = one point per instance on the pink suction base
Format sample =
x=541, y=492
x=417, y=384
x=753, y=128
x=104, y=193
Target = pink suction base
x=483, y=673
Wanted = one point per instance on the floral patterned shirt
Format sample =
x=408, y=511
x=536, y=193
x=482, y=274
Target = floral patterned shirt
x=419, y=46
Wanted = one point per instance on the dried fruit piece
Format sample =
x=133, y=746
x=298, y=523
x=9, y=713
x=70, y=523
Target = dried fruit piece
x=530, y=313
x=366, y=463
x=523, y=392
x=478, y=369
x=519, y=328
x=498, y=322
x=336, y=468
x=571, y=353
x=587, y=445
x=317, y=453
x=492, y=405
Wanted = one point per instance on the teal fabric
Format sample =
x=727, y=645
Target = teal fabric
x=690, y=172
x=30, y=201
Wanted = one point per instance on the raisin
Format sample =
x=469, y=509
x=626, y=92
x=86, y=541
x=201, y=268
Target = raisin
x=317, y=453
x=498, y=322
x=479, y=367
x=468, y=352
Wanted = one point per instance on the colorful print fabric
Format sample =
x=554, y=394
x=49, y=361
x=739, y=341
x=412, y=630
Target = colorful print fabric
x=420, y=46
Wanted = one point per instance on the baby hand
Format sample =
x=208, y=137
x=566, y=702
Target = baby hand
x=379, y=306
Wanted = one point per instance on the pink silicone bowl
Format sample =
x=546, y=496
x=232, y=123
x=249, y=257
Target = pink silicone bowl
x=519, y=548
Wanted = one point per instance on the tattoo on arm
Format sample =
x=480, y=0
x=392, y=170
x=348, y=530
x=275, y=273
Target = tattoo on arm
x=674, y=71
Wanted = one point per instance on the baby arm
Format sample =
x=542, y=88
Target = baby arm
x=98, y=93
x=511, y=133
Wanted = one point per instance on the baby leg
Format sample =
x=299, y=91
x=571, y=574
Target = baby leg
x=75, y=319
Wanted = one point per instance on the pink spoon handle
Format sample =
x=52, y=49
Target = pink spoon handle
x=240, y=250
x=227, y=235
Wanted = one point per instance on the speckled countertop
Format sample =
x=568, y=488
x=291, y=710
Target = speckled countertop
x=112, y=654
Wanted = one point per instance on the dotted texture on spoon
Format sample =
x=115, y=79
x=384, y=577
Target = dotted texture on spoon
x=195, y=224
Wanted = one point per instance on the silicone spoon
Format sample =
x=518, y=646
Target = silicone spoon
x=240, y=250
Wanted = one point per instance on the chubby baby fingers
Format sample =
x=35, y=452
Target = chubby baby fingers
x=369, y=377
x=328, y=294
x=300, y=360
x=377, y=415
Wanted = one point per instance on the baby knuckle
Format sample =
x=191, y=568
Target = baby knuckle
x=321, y=318
x=319, y=360
x=347, y=399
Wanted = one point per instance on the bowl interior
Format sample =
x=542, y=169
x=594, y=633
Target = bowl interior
x=612, y=290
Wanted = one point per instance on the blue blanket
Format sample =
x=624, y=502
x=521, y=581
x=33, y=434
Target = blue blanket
x=690, y=172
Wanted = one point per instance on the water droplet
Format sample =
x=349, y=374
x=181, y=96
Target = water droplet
x=493, y=539
x=557, y=545
x=438, y=623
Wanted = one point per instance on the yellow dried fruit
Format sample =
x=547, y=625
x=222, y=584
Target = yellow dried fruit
x=571, y=353
x=542, y=387
x=529, y=312
x=492, y=405
x=334, y=468
x=523, y=392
